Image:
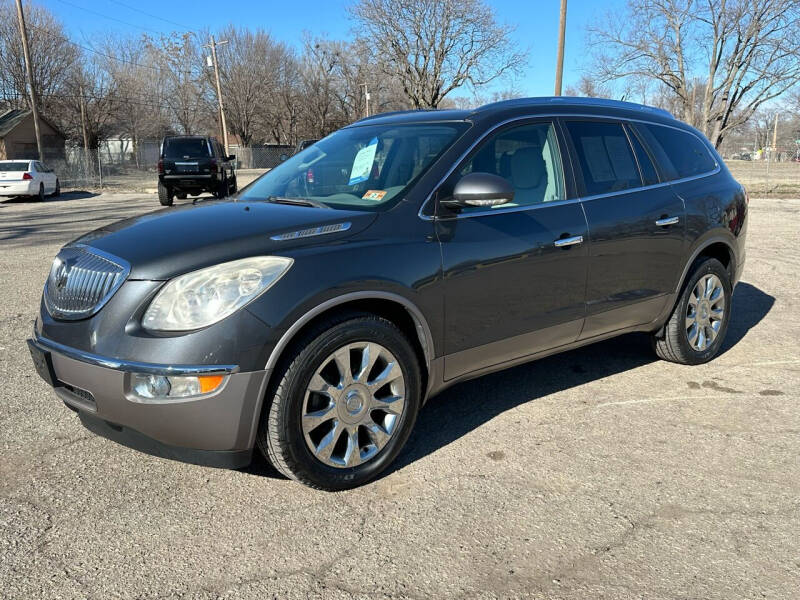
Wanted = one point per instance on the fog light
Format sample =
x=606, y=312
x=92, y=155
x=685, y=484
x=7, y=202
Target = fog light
x=165, y=387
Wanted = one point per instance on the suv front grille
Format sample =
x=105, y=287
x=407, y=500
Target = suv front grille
x=81, y=281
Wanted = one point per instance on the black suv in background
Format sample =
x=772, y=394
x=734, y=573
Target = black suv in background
x=314, y=313
x=190, y=165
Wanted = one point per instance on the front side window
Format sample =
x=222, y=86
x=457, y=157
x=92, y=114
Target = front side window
x=683, y=154
x=528, y=157
x=605, y=156
x=364, y=168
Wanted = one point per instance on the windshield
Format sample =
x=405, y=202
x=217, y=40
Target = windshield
x=185, y=148
x=362, y=168
x=13, y=166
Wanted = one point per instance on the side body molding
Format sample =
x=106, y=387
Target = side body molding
x=420, y=323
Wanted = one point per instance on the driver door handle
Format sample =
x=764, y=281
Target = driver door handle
x=570, y=241
x=668, y=221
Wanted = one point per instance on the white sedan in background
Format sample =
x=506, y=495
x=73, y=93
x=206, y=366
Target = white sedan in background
x=27, y=178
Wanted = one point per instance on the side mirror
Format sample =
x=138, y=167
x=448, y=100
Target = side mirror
x=283, y=157
x=481, y=189
x=231, y=157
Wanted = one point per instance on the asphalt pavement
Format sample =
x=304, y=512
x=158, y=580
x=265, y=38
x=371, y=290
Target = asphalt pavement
x=599, y=473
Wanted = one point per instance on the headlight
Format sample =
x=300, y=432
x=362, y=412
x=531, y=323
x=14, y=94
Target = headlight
x=201, y=298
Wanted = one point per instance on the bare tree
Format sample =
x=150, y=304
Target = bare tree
x=52, y=55
x=720, y=59
x=185, y=92
x=433, y=47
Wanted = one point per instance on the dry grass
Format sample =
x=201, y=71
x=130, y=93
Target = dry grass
x=782, y=180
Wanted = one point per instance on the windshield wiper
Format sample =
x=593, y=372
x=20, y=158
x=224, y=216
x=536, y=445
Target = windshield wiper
x=296, y=201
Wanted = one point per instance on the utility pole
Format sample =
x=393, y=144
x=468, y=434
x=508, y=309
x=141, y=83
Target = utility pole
x=85, y=134
x=213, y=45
x=23, y=32
x=366, y=97
x=775, y=135
x=562, y=32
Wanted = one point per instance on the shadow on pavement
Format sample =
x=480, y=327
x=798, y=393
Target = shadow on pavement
x=468, y=405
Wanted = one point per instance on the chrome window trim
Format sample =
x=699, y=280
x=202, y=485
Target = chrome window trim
x=127, y=365
x=497, y=211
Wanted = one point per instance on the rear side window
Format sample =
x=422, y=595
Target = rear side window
x=185, y=148
x=649, y=174
x=14, y=166
x=605, y=156
x=686, y=155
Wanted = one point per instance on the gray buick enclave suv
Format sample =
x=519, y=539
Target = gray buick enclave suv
x=312, y=314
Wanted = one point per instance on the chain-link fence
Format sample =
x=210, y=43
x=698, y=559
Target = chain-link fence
x=117, y=164
x=767, y=177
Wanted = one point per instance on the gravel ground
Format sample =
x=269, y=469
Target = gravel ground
x=599, y=473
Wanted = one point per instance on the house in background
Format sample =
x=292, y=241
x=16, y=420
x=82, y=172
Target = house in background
x=18, y=136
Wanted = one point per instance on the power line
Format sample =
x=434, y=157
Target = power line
x=147, y=14
x=99, y=14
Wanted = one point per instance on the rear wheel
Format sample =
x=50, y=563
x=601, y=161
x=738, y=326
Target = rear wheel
x=165, y=195
x=697, y=326
x=344, y=403
x=40, y=195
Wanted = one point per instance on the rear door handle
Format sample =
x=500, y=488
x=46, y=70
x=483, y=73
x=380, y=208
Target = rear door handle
x=570, y=241
x=668, y=221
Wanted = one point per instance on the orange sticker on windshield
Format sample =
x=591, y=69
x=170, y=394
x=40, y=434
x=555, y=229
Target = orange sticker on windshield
x=374, y=195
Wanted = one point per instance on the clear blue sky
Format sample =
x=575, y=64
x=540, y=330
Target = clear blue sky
x=536, y=22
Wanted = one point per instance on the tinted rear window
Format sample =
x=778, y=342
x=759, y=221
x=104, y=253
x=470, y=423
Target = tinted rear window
x=14, y=166
x=185, y=148
x=605, y=156
x=686, y=155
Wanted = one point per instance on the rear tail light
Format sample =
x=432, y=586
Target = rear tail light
x=310, y=176
x=213, y=166
x=27, y=176
x=160, y=167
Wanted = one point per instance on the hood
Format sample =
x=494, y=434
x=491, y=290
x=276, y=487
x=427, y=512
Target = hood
x=173, y=241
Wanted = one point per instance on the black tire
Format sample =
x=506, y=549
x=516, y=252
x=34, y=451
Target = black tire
x=280, y=436
x=40, y=196
x=57, y=191
x=165, y=195
x=673, y=345
x=233, y=187
x=222, y=188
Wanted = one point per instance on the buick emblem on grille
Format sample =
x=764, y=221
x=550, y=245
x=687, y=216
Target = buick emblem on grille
x=61, y=274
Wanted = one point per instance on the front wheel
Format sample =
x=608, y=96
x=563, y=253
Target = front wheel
x=57, y=191
x=344, y=404
x=696, y=329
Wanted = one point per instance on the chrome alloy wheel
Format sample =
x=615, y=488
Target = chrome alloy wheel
x=705, y=312
x=353, y=404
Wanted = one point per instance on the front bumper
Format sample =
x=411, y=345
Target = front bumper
x=18, y=188
x=217, y=429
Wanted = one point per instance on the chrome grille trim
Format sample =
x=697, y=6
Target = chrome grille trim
x=81, y=281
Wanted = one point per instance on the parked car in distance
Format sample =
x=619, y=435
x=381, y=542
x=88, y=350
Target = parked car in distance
x=190, y=165
x=28, y=178
x=311, y=320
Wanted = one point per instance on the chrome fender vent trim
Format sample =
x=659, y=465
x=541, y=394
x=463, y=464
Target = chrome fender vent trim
x=304, y=233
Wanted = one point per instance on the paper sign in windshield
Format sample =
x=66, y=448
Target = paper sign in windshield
x=362, y=164
x=374, y=195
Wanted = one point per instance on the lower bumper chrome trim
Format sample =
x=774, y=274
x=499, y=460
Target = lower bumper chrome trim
x=131, y=366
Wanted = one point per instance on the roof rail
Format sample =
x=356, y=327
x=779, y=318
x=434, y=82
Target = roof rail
x=579, y=101
x=394, y=112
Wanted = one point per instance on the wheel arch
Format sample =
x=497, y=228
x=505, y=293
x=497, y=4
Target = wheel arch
x=398, y=309
x=719, y=247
